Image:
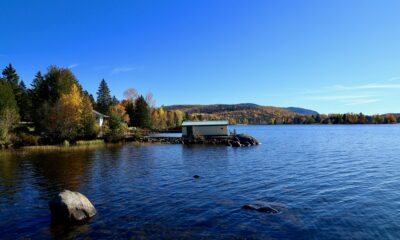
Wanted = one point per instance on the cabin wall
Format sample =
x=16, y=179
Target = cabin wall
x=207, y=131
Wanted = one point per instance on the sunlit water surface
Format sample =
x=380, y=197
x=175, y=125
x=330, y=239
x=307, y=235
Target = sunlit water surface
x=332, y=182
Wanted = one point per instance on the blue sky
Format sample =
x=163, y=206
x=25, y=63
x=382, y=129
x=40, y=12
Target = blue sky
x=330, y=56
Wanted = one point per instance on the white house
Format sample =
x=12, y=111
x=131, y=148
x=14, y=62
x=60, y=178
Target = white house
x=205, y=128
x=100, y=118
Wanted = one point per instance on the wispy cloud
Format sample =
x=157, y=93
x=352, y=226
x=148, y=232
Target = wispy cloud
x=73, y=65
x=121, y=70
x=347, y=99
x=393, y=79
x=367, y=86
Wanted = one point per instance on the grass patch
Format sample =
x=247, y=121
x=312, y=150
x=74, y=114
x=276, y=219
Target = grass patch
x=89, y=142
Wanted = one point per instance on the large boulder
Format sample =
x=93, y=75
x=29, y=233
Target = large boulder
x=72, y=207
x=243, y=138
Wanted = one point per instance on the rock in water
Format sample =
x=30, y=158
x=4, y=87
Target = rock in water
x=71, y=207
x=261, y=208
x=247, y=138
x=196, y=176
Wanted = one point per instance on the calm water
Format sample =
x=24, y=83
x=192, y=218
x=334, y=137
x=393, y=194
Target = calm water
x=332, y=182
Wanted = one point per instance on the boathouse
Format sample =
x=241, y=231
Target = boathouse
x=100, y=118
x=205, y=128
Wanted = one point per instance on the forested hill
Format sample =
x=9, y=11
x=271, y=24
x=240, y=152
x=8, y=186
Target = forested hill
x=301, y=111
x=215, y=108
x=249, y=113
x=243, y=113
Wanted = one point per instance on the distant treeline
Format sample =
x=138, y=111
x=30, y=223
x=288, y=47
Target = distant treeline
x=273, y=115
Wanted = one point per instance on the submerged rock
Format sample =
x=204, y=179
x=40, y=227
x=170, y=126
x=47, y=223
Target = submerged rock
x=72, y=207
x=261, y=207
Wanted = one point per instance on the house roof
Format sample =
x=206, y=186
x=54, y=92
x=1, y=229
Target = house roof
x=204, y=123
x=100, y=114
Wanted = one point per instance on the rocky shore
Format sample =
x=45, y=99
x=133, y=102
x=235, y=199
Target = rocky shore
x=239, y=140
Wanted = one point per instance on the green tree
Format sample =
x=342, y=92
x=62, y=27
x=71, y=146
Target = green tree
x=130, y=110
x=104, y=99
x=116, y=128
x=11, y=76
x=57, y=82
x=89, y=128
x=141, y=115
x=38, y=94
x=63, y=119
x=47, y=91
x=9, y=116
x=24, y=102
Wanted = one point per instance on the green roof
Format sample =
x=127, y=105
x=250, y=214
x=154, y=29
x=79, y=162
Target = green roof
x=204, y=123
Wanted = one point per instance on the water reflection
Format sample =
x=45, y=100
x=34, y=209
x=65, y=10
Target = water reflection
x=54, y=171
x=333, y=182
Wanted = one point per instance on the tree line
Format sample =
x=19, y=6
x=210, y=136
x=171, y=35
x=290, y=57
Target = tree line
x=251, y=117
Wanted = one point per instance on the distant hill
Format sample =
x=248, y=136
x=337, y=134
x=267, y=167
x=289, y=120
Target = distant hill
x=301, y=111
x=243, y=113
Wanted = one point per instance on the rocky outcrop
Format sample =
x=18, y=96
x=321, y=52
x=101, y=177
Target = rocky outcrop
x=247, y=139
x=239, y=140
x=71, y=207
x=243, y=140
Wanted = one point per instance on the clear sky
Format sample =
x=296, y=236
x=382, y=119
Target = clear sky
x=329, y=56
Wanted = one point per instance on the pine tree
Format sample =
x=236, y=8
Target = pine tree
x=103, y=98
x=130, y=110
x=24, y=102
x=114, y=100
x=38, y=95
x=141, y=116
x=11, y=76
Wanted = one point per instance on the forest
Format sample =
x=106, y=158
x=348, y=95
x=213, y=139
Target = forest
x=56, y=108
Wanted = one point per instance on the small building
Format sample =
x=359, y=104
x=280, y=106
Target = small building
x=100, y=118
x=204, y=128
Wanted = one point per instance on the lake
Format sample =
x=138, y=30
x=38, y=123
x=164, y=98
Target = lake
x=330, y=181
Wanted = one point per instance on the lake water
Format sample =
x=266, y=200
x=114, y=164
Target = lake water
x=330, y=182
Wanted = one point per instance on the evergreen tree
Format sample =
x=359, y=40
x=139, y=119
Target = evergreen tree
x=114, y=100
x=103, y=98
x=141, y=115
x=11, y=76
x=130, y=110
x=24, y=102
x=38, y=94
